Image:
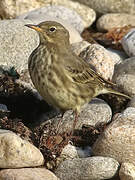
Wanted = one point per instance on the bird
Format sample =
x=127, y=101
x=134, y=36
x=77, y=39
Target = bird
x=63, y=79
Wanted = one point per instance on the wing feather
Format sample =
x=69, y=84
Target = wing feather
x=85, y=74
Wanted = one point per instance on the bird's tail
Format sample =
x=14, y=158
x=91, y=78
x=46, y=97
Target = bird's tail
x=112, y=91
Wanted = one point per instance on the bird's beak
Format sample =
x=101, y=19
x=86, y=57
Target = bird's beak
x=35, y=27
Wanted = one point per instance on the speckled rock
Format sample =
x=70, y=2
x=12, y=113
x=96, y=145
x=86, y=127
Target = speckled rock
x=18, y=42
x=124, y=76
x=13, y=8
x=87, y=168
x=111, y=6
x=118, y=139
x=99, y=57
x=17, y=153
x=27, y=174
x=113, y=20
x=128, y=43
x=116, y=55
x=127, y=171
x=96, y=112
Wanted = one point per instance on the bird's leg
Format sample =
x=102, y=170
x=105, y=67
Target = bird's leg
x=75, y=120
x=59, y=123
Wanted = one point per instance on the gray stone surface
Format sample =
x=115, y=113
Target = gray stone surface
x=92, y=114
x=71, y=152
x=13, y=8
x=118, y=139
x=60, y=12
x=18, y=41
x=128, y=43
x=92, y=168
x=124, y=76
x=4, y=111
x=78, y=47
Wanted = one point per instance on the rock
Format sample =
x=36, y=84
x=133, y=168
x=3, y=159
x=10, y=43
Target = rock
x=3, y=111
x=99, y=57
x=27, y=174
x=84, y=152
x=111, y=6
x=127, y=171
x=118, y=139
x=71, y=152
x=128, y=42
x=124, y=76
x=92, y=114
x=18, y=42
x=13, y=8
x=87, y=168
x=78, y=47
x=3, y=107
x=59, y=12
x=131, y=103
x=17, y=153
x=114, y=20
x=117, y=55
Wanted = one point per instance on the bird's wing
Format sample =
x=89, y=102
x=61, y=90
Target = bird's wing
x=81, y=72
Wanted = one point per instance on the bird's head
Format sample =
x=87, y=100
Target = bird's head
x=51, y=31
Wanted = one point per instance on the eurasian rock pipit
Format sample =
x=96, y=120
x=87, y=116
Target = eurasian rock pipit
x=63, y=79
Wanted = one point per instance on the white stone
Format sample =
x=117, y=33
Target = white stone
x=16, y=152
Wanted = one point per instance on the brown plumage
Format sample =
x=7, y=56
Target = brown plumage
x=62, y=78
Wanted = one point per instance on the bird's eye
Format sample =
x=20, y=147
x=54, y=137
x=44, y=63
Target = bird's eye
x=52, y=29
